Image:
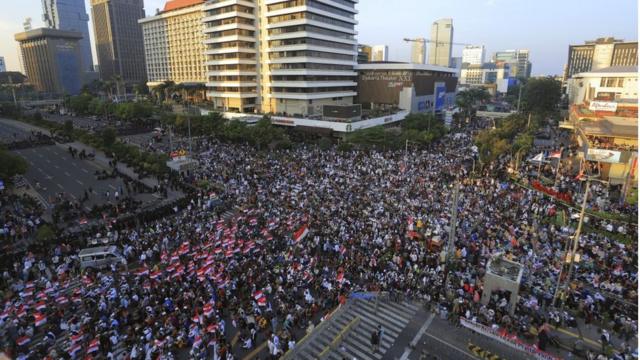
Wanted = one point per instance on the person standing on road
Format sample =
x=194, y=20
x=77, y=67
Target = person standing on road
x=375, y=341
x=380, y=333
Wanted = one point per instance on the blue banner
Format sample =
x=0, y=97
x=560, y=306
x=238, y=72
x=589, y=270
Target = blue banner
x=440, y=93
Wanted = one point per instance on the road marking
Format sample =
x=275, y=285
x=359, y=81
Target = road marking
x=113, y=187
x=66, y=173
x=567, y=332
x=73, y=196
x=48, y=161
x=60, y=186
x=450, y=345
x=40, y=169
x=56, y=166
x=74, y=164
x=85, y=171
x=80, y=182
x=421, y=332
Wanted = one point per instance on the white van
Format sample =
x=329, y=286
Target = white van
x=100, y=257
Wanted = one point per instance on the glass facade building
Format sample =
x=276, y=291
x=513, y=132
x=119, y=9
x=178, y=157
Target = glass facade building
x=70, y=15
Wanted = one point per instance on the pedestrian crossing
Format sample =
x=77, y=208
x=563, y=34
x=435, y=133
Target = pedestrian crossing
x=355, y=342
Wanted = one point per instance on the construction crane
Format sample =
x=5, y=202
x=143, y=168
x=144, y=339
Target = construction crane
x=421, y=40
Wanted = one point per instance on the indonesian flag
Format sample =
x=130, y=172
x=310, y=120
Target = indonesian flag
x=83, y=221
x=94, y=346
x=556, y=155
x=253, y=221
x=22, y=311
x=76, y=299
x=273, y=224
x=175, y=258
x=258, y=295
x=62, y=300
x=212, y=328
x=228, y=253
x=164, y=256
x=27, y=292
x=220, y=226
x=86, y=280
x=262, y=301
x=41, y=296
x=40, y=319
x=196, y=318
x=23, y=341
x=184, y=248
x=246, y=250
x=73, y=350
x=301, y=233
x=340, y=277
x=217, y=250
x=207, y=310
x=307, y=276
x=41, y=306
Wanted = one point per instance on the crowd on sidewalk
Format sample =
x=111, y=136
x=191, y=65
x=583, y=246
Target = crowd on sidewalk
x=311, y=227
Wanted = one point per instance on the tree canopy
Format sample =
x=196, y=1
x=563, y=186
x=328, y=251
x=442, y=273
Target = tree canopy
x=541, y=95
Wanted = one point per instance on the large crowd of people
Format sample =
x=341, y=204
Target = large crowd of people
x=307, y=228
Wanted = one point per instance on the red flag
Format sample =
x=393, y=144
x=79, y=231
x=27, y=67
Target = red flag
x=301, y=233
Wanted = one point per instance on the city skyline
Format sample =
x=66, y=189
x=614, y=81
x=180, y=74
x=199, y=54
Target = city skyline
x=498, y=24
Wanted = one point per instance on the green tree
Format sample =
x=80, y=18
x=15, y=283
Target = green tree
x=324, y=143
x=541, y=95
x=67, y=128
x=108, y=136
x=11, y=165
x=468, y=99
x=45, y=234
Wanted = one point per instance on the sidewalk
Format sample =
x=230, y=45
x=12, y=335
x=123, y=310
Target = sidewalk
x=591, y=336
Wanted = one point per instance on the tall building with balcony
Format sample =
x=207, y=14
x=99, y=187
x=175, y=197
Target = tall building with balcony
x=280, y=56
x=118, y=35
x=173, y=44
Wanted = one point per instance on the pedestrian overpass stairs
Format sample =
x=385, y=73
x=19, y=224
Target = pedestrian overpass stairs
x=347, y=333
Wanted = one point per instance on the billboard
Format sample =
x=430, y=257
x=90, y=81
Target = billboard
x=440, y=94
x=604, y=155
x=603, y=106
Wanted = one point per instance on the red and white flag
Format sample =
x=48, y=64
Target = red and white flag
x=62, y=300
x=212, y=328
x=556, y=155
x=258, y=295
x=41, y=306
x=301, y=233
x=22, y=341
x=74, y=350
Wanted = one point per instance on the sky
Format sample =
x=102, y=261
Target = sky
x=545, y=27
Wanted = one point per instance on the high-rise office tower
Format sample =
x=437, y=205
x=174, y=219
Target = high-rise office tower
x=284, y=57
x=52, y=60
x=380, y=53
x=601, y=53
x=3, y=65
x=518, y=61
x=441, y=42
x=364, y=53
x=419, y=51
x=70, y=15
x=118, y=35
x=473, y=55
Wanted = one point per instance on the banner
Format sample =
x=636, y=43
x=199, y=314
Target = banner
x=556, y=194
x=509, y=340
x=440, y=93
x=604, y=155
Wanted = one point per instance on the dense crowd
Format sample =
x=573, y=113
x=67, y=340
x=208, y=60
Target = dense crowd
x=308, y=228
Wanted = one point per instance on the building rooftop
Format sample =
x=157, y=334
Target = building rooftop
x=505, y=268
x=47, y=32
x=611, y=71
x=611, y=126
x=392, y=65
x=179, y=4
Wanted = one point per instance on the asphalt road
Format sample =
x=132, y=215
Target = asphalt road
x=57, y=171
x=10, y=133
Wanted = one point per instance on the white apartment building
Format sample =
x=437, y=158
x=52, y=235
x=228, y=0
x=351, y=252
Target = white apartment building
x=173, y=43
x=473, y=55
x=280, y=56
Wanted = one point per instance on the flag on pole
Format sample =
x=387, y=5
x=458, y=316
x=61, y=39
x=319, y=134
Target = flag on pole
x=40, y=319
x=301, y=233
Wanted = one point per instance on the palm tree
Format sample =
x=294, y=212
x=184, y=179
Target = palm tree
x=107, y=86
x=117, y=79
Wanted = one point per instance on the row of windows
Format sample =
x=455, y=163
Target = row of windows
x=309, y=16
x=312, y=29
x=310, y=66
x=310, y=53
x=310, y=3
x=310, y=41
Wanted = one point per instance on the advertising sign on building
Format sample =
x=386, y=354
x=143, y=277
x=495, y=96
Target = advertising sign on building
x=440, y=94
x=603, y=106
x=604, y=155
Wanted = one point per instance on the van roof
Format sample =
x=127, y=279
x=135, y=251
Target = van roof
x=97, y=250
